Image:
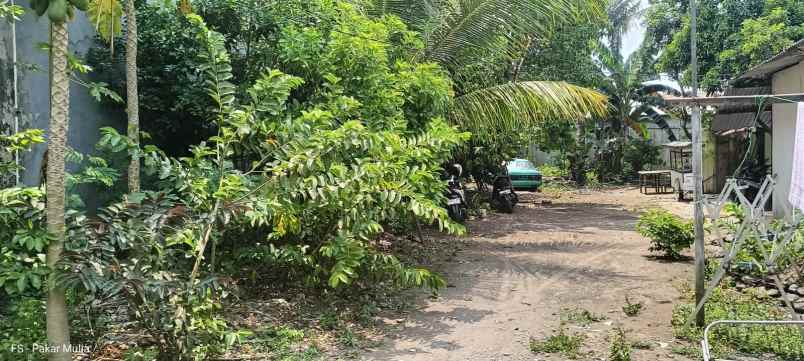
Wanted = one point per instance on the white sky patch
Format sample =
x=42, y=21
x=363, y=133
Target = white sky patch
x=633, y=38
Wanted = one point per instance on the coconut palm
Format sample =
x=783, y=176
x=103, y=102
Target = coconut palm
x=456, y=33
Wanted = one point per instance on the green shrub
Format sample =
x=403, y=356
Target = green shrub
x=668, y=233
x=23, y=326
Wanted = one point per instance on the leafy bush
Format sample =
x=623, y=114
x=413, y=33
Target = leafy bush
x=362, y=149
x=668, y=233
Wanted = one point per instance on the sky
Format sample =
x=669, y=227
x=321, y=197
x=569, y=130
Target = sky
x=633, y=37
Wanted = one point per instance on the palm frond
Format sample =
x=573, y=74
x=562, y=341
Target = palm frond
x=516, y=106
x=417, y=14
x=457, y=27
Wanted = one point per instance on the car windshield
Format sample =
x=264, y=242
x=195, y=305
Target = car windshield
x=522, y=164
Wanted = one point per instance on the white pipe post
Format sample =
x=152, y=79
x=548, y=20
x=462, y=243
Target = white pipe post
x=697, y=172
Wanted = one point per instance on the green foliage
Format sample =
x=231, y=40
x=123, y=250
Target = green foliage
x=17, y=143
x=620, y=348
x=728, y=304
x=172, y=105
x=632, y=309
x=554, y=171
x=337, y=166
x=106, y=16
x=23, y=238
x=640, y=153
x=734, y=35
x=284, y=343
x=10, y=12
x=562, y=343
x=22, y=252
x=580, y=316
x=23, y=325
x=668, y=233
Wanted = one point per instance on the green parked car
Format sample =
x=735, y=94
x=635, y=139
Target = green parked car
x=524, y=174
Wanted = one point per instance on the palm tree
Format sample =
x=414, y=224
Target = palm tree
x=456, y=33
x=58, y=326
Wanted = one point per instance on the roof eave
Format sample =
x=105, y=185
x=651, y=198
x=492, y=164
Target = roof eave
x=785, y=59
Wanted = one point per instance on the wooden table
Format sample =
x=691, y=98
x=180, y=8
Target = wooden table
x=656, y=180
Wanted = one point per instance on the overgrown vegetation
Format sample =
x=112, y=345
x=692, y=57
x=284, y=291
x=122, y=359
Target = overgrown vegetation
x=315, y=180
x=668, y=233
x=728, y=341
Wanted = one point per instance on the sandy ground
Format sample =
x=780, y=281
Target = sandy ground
x=515, y=273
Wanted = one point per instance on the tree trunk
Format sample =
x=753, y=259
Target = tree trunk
x=58, y=326
x=132, y=96
x=578, y=167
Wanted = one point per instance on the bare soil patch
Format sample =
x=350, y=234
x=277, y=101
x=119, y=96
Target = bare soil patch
x=515, y=274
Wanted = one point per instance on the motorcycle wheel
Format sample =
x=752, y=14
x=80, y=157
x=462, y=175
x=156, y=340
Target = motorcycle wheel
x=506, y=205
x=457, y=213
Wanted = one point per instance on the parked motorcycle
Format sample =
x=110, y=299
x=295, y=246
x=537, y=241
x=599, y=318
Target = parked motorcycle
x=503, y=197
x=750, y=178
x=456, y=199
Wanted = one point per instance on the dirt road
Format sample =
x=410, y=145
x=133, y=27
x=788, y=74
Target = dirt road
x=515, y=274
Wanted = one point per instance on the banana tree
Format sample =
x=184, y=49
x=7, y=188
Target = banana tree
x=632, y=101
x=457, y=33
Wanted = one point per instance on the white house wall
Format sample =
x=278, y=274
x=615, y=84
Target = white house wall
x=787, y=81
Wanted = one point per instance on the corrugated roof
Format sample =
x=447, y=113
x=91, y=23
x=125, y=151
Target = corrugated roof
x=787, y=58
x=725, y=122
x=742, y=107
x=739, y=116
